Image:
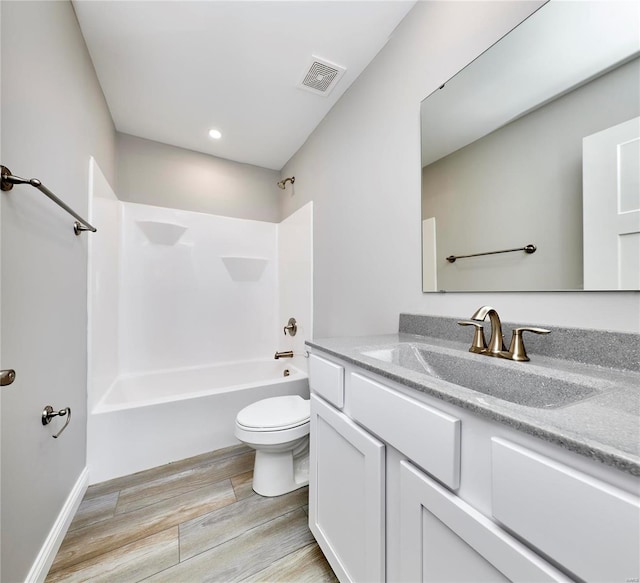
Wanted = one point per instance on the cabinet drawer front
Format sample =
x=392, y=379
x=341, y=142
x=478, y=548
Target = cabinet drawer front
x=430, y=438
x=327, y=380
x=588, y=526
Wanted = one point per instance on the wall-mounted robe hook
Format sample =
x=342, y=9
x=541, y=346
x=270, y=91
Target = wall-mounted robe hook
x=48, y=414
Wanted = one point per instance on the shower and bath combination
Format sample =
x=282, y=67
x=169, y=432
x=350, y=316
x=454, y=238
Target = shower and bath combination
x=200, y=392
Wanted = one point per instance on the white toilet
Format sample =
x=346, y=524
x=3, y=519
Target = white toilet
x=278, y=429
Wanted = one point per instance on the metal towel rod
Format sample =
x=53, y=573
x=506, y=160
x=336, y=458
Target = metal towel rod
x=527, y=249
x=8, y=180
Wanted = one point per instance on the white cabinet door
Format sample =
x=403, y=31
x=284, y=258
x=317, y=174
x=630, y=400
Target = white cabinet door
x=589, y=527
x=443, y=539
x=347, y=495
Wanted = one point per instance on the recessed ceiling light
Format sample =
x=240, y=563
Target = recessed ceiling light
x=215, y=134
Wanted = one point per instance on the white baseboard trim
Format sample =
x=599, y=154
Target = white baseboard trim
x=47, y=554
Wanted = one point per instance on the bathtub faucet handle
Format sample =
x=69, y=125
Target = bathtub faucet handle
x=291, y=327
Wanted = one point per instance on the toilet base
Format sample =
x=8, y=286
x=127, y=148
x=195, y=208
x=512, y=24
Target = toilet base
x=278, y=472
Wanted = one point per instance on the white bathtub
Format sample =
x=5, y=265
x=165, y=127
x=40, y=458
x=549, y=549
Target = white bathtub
x=148, y=420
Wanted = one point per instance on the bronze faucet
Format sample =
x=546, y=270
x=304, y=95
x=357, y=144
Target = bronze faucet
x=496, y=342
x=285, y=354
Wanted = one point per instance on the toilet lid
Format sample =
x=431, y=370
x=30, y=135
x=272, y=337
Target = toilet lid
x=275, y=413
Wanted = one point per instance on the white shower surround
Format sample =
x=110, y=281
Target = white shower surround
x=165, y=310
x=180, y=306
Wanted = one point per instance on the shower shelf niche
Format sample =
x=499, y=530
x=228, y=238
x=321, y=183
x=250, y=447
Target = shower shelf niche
x=160, y=233
x=245, y=268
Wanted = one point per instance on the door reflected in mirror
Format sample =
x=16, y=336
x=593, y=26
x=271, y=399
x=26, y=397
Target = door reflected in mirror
x=537, y=143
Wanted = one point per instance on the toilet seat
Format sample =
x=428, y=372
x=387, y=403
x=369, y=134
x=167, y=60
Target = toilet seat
x=275, y=414
x=278, y=429
x=278, y=437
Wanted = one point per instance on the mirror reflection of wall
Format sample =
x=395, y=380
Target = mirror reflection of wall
x=522, y=183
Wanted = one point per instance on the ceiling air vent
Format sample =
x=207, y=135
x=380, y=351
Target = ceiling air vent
x=321, y=76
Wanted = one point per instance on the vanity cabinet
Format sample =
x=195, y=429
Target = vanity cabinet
x=406, y=488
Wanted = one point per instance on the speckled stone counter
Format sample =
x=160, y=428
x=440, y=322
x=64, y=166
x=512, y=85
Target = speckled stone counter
x=604, y=426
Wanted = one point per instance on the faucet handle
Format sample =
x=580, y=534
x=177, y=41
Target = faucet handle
x=479, y=344
x=516, y=348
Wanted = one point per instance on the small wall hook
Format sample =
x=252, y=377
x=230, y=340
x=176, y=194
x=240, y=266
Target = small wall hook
x=48, y=414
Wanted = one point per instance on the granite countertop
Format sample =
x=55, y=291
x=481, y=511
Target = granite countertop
x=604, y=427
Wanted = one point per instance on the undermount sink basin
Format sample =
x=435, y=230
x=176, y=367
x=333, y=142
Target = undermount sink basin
x=509, y=381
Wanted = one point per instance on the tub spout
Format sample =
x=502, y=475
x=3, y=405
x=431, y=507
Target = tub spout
x=285, y=354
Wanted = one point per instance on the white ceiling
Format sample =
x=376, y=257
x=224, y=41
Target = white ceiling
x=170, y=71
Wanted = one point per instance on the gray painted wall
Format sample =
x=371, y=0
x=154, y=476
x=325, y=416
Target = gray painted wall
x=53, y=118
x=529, y=184
x=154, y=173
x=361, y=167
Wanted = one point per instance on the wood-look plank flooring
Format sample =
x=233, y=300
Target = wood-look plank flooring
x=190, y=521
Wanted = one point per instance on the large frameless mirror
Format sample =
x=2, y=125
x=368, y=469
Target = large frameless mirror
x=531, y=158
